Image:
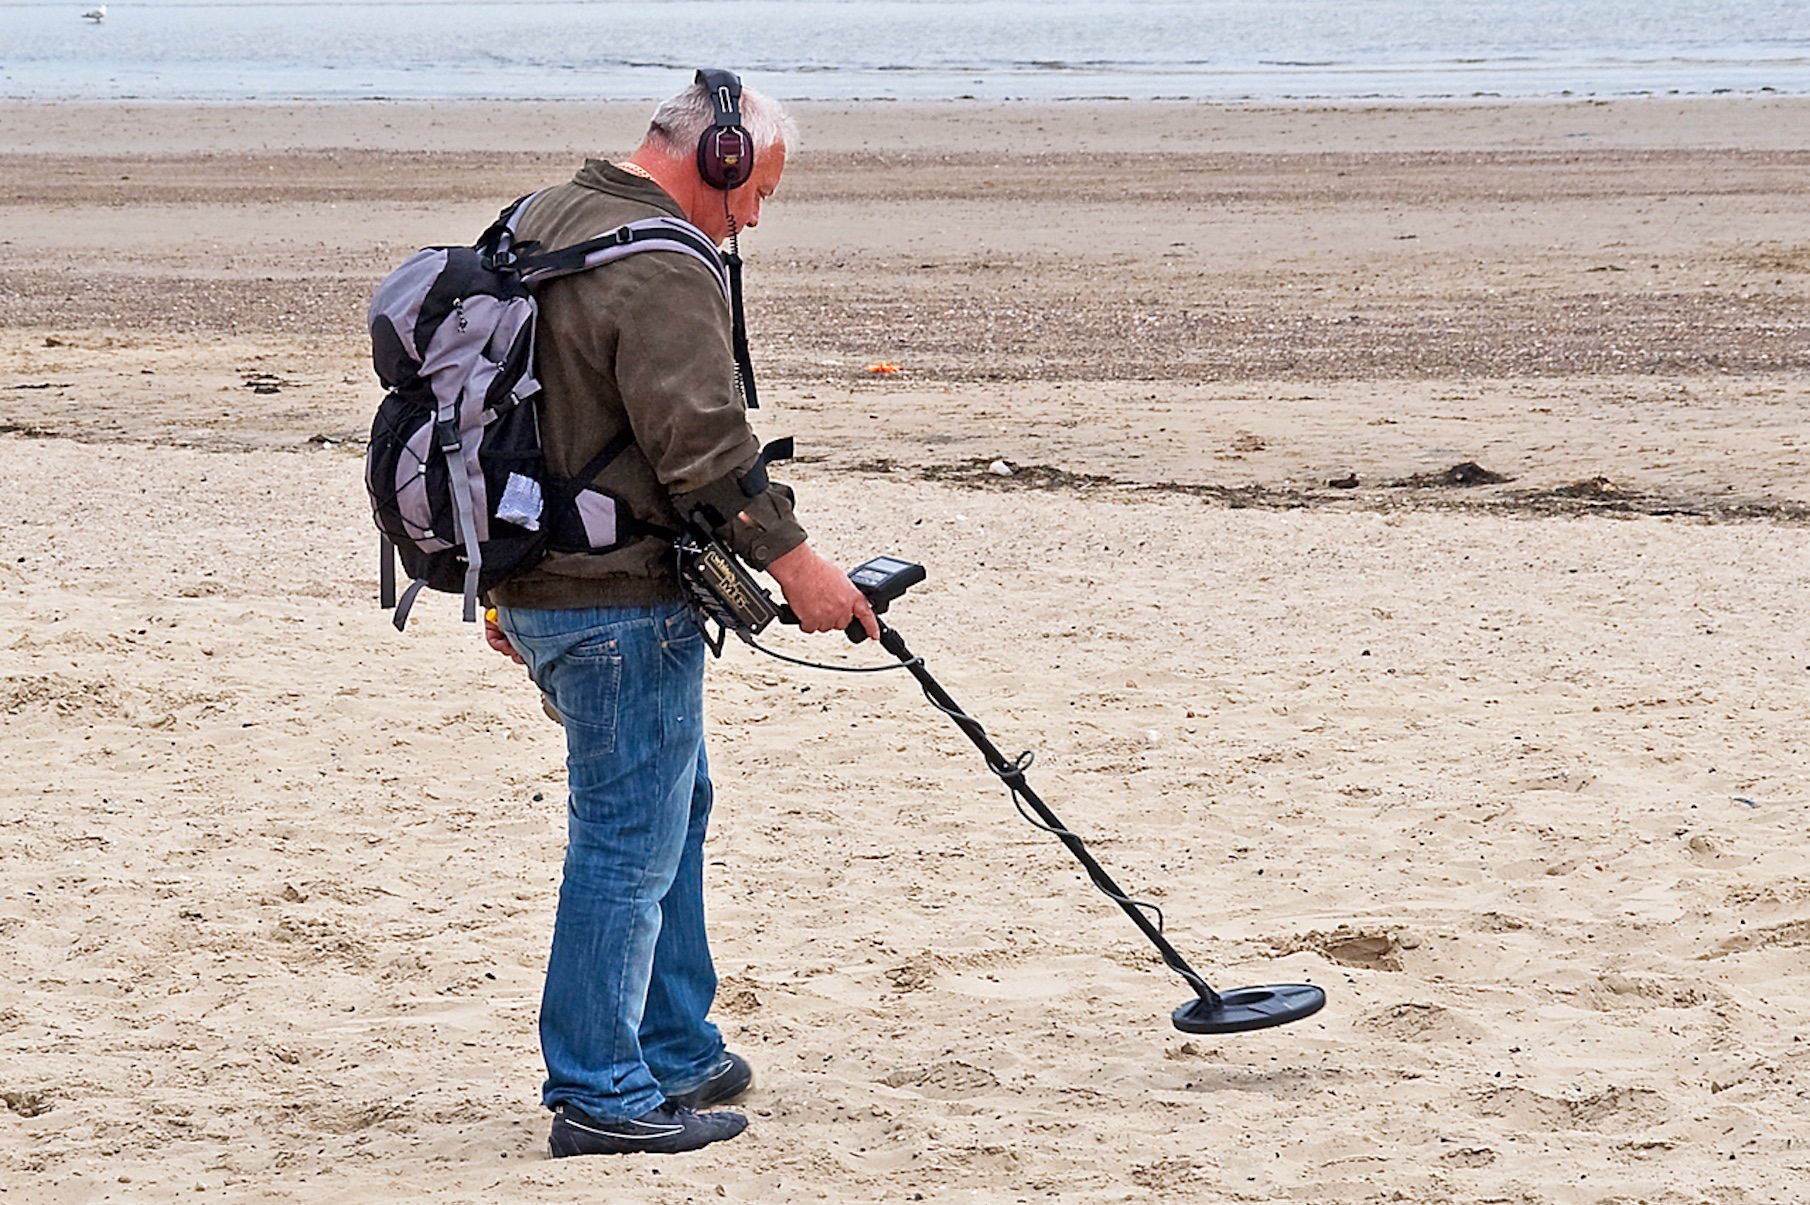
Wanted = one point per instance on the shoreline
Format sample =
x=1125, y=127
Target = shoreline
x=187, y=127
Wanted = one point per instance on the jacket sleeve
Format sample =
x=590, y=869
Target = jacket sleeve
x=677, y=377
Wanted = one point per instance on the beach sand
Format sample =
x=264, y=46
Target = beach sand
x=1515, y=769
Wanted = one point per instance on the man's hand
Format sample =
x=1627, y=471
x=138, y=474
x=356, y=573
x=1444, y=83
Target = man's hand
x=493, y=636
x=820, y=594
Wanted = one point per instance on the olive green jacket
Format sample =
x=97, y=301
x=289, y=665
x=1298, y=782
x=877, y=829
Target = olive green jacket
x=641, y=344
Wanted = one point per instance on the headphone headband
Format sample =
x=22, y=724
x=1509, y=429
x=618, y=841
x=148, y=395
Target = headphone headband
x=725, y=88
x=725, y=150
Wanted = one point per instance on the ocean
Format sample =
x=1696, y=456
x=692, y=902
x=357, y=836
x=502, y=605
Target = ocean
x=1253, y=50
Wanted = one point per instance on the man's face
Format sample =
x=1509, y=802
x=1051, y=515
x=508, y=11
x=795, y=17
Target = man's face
x=744, y=202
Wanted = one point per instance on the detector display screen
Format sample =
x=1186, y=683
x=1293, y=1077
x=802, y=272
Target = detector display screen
x=885, y=578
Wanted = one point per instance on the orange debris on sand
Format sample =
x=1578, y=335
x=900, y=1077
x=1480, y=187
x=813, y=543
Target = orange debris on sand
x=883, y=366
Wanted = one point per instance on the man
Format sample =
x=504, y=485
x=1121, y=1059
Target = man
x=643, y=346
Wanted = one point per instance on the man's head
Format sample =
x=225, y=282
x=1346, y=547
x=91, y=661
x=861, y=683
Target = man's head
x=670, y=154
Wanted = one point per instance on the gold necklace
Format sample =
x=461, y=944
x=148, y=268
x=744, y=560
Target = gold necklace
x=635, y=169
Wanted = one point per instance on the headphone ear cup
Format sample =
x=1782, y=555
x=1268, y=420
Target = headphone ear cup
x=725, y=157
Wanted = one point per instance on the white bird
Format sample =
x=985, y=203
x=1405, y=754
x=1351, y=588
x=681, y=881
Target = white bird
x=96, y=15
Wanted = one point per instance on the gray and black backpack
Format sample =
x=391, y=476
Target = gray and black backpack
x=458, y=484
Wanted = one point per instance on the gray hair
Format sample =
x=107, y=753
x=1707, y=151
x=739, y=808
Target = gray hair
x=681, y=120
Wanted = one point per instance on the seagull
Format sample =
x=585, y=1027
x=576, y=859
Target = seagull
x=96, y=15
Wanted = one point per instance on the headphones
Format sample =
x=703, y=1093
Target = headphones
x=725, y=150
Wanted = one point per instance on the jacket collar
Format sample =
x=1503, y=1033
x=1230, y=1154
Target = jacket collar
x=602, y=176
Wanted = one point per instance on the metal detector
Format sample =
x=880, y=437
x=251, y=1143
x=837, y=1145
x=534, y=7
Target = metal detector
x=886, y=578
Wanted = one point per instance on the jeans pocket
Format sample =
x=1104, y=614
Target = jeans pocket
x=588, y=691
x=682, y=628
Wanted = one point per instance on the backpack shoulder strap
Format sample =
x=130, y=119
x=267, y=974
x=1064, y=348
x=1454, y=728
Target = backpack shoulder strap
x=655, y=234
x=497, y=243
x=566, y=489
x=648, y=234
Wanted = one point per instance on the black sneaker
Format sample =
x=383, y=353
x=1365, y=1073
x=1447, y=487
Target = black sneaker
x=726, y=1081
x=665, y=1130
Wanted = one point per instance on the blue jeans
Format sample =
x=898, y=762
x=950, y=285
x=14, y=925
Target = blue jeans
x=629, y=981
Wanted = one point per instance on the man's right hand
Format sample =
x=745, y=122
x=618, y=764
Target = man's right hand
x=820, y=594
x=494, y=637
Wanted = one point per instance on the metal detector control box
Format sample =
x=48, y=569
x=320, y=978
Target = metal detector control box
x=885, y=578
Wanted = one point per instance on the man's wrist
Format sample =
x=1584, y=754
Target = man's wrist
x=776, y=547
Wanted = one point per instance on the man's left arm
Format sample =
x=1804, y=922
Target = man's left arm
x=672, y=357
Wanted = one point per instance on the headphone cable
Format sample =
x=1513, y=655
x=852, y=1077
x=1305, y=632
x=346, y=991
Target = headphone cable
x=738, y=325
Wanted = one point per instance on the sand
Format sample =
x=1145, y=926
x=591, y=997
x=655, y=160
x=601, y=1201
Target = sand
x=1514, y=769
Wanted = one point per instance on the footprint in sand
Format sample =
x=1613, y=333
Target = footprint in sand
x=944, y=1081
x=1411, y=1022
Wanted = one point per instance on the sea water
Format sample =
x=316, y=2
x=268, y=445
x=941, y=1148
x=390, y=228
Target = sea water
x=907, y=49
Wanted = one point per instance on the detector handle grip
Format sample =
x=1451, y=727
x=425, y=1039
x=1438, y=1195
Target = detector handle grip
x=854, y=631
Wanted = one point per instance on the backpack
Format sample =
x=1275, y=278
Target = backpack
x=458, y=484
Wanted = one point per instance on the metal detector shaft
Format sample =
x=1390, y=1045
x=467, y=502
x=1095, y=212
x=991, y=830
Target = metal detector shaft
x=1013, y=775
